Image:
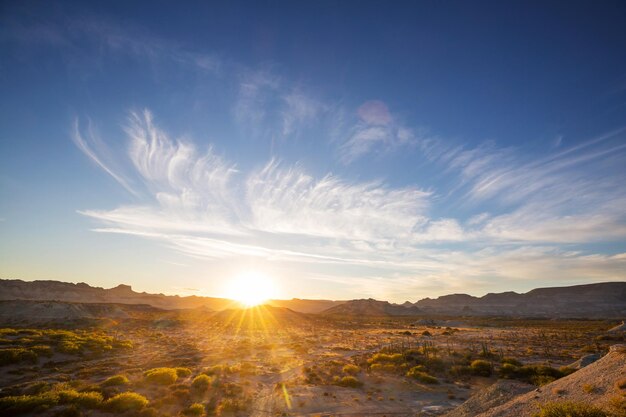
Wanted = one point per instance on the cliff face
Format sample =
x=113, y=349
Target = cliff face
x=592, y=300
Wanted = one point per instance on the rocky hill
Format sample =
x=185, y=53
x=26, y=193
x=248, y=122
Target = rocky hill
x=603, y=300
x=371, y=307
x=305, y=306
x=596, y=385
x=28, y=311
x=16, y=289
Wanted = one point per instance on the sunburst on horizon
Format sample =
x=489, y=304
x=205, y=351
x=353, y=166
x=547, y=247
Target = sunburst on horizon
x=251, y=288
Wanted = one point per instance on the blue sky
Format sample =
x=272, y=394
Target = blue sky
x=346, y=150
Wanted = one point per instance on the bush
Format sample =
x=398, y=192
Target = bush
x=386, y=358
x=42, y=350
x=481, y=368
x=69, y=347
x=570, y=409
x=126, y=401
x=26, y=403
x=383, y=367
x=14, y=355
x=201, y=383
x=351, y=369
x=460, y=370
x=115, y=381
x=511, y=361
x=417, y=373
x=183, y=372
x=84, y=399
x=229, y=406
x=194, y=410
x=349, y=381
x=161, y=376
x=535, y=374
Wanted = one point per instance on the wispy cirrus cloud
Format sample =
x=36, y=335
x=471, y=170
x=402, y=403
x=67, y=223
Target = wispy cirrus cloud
x=195, y=199
x=375, y=131
x=201, y=205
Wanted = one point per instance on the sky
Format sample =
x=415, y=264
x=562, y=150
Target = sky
x=394, y=150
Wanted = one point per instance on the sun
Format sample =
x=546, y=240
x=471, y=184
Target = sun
x=250, y=289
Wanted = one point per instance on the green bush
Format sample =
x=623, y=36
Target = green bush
x=570, y=409
x=534, y=374
x=126, y=401
x=481, y=367
x=386, y=358
x=383, y=367
x=511, y=361
x=349, y=381
x=228, y=406
x=69, y=347
x=14, y=355
x=115, y=381
x=84, y=399
x=460, y=370
x=201, y=383
x=161, y=376
x=183, y=372
x=194, y=410
x=417, y=373
x=351, y=369
x=45, y=400
x=26, y=403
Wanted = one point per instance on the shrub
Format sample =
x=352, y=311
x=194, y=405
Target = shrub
x=194, y=410
x=183, y=372
x=351, y=369
x=229, y=406
x=42, y=350
x=511, y=361
x=115, y=381
x=26, y=403
x=383, y=367
x=460, y=370
x=481, y=368
x=417, y=373
x=84, y=399
x=14, y=355
x=201, y=383
x=386, y=358
x=161, y=376
x=126, y=401
x=69, y=347
x=570, y=409
x=349, y=381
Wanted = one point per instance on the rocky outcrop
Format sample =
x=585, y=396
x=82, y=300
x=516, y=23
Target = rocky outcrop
x=595, y=384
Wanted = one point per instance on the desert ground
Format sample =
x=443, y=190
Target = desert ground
x=270, y=361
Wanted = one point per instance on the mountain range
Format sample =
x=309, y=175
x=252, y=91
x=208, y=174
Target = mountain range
x=602, y=300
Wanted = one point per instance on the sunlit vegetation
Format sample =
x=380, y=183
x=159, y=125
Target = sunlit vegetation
x=161, y=376
x=202, y=366
x=127, y=401
x=570, y=409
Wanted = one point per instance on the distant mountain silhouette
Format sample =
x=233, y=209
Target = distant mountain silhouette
x=15, y=289
x=371, y=307
x=603, y=300
x=591, y=300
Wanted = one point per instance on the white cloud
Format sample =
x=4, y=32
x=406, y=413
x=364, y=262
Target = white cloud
x=376, y=131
